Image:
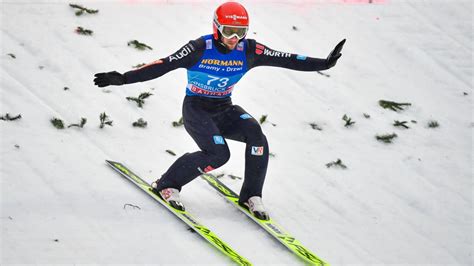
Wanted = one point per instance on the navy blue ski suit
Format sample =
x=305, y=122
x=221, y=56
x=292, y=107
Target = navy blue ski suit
x=209, y=115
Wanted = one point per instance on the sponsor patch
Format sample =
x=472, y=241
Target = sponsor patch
x=257, y=151
x=269, y=52
x=245, y=116
x=301, y=57
x=219, y=140
x=240, y=46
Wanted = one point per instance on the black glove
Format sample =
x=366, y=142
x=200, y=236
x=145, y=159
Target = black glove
x=335, y=54
x=109, y=78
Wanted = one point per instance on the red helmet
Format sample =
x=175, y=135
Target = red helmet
x=231, y=19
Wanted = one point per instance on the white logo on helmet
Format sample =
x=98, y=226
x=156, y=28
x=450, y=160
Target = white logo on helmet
x=235, y=17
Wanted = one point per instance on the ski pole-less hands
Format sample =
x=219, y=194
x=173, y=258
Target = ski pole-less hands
x=335, y=54
x=109, y=78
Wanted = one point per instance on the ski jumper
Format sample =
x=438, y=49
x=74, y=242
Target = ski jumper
x=209, y=115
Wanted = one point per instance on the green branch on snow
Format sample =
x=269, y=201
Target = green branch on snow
x=323, y=74
x=12, y=55
x=235, y=177
x=171, y=152
x=263, y=119
x=7, y=117
x=393, y=105
x=138, y=45
x=337, y=163
x=401, y=124
x=386, y=138
x=82, y=31
x=140, y=123
x=433, y=124
x=81, y=10
x=80, y=125
x=57, y=123
x=104, y=120
x=140, y=100
x=139, y=65
x=348, y=121
x=178, y=123
x=315, y=126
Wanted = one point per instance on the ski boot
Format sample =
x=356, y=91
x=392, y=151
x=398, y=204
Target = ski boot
x=255, y=206
x=170, y=195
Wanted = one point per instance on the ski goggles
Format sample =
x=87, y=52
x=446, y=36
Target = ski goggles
x=230, y=32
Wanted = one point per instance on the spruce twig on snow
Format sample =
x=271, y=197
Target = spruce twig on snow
x=7, y=117
x=80, y=125
x=12, y=55
x=81, y=10
x=171, y=152
x=178, y=123
x=104, y=120
x=140, y=100
x=235, y=177
x=401, y=124
x=323, y=74
x=348, y=121
x=82, y=31
x=263, y=119
x=386, y=138
x=139, y=65
x=140, y=123
x=315, y=126
x=57, y=123
x=394, y=106
x=337, y=163
x=138, y=45
x=433, y=124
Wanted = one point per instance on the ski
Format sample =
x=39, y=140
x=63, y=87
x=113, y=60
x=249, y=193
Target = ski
x=270, y=226
x=185, y=216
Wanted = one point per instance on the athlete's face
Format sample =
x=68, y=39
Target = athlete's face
x=230, y=43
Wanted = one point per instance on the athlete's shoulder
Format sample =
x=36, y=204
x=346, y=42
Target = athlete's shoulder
x=251, y=41
x=251, y=45
x=197, y=44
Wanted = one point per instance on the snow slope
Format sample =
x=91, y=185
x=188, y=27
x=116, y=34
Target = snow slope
x=406, y=203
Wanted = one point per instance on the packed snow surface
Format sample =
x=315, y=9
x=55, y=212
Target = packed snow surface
x=407, y=203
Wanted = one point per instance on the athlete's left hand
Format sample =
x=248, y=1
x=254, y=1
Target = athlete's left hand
x=335, y=54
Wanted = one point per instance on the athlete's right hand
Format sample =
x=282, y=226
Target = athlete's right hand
x=109, y=78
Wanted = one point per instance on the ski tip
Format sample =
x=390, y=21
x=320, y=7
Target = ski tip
x=109, y=162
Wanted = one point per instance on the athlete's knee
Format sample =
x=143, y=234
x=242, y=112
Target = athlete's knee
x=255, y=136
x=218, y=156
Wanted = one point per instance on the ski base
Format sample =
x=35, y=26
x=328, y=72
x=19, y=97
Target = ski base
x=269, y=225
x=185, y=216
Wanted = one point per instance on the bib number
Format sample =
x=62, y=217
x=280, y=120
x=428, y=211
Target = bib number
x=222, y=82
